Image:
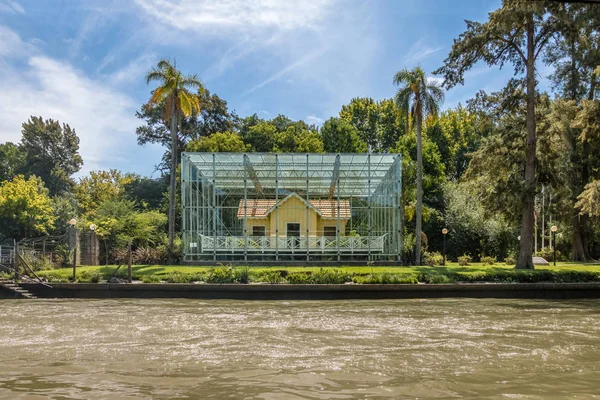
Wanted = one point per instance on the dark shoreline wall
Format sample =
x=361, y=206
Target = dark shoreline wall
x=317, y=292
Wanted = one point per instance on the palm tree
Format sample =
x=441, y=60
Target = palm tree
x=173, y=93
x=419, y=98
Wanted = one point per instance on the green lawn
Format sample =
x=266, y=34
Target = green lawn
x=161, y=271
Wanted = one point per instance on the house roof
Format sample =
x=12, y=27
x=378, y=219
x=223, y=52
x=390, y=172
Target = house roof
x=327, y=209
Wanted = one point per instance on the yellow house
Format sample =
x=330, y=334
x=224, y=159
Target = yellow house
x=265, y=217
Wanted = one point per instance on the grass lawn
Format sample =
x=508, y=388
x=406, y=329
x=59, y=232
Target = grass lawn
x=140, y=271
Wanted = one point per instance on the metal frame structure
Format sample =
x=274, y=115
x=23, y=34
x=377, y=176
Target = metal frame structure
x=219, y=191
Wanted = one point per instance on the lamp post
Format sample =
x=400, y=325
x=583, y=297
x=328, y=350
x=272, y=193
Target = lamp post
x=444, y=233
x=554, y=229
x=93, y=250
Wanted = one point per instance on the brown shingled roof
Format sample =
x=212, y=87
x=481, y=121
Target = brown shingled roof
x=261, y=208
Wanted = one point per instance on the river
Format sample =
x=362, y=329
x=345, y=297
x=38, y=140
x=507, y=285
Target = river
x=190, y=349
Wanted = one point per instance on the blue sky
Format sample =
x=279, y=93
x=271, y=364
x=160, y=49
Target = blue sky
x=83, y=62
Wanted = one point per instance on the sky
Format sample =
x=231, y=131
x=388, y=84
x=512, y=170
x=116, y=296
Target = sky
x=83, y=62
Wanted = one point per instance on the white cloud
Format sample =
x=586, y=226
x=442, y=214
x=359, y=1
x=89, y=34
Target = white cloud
x=435, y=79
x=420, y=51
x=12, y=7
x=237, y=16
x=102, y=116
x=312, y=119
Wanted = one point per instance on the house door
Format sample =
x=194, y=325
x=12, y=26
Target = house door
x=293, y=234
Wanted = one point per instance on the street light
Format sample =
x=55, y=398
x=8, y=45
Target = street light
x=93, y=227
x=554, y=229
x=444, y=233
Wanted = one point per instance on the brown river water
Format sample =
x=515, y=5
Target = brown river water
x=191, y=349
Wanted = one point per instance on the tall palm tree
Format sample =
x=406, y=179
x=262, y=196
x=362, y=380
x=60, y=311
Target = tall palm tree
x=418, y=98
x=175, y=95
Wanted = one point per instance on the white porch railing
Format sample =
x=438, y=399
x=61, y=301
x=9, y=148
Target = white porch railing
x=268, y=244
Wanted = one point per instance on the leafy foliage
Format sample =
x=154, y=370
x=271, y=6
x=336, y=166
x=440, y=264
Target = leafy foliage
x=25, y=208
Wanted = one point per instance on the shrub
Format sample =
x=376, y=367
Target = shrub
x=41, y=263
x=90, y=276
x=434, y=259
x=511, y=258
x=298, y=278
x=151, y=279
x=436, y=278
x=387, y=278
x=465, y=260
x=150, y=255
x=220, y=275
x=179, y=277
x=270, y=277
x=55, y=277
x=5, y=275
x=241, y=275
x=488, y=260
x=547, y=253
x=330, y=277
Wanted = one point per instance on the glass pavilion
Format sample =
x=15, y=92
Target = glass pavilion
x=253, y=207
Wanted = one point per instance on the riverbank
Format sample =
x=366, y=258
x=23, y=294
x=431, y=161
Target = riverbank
x=316, y=292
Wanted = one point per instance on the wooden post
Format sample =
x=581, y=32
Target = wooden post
x=129, y=278
x=74, y=264
x=16, y=258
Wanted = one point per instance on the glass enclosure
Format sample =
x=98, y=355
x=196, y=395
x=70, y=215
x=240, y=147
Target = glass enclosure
x=291, y=207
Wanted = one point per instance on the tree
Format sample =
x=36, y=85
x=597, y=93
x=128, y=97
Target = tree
x=515, y=33
x=339, y=136
x=419, y=98
x=52, y=153
x=25, y=208
x=98, y=187
x=298, y=138
x=213, y=117
x=261, y=136
x=173, y=93
x=146, y=192
x=12, y=160
x=218, y=142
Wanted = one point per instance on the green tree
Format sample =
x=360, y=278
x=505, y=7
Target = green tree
x=218, y=142
x=25, y=208
x=298, y=138
x=515, y=33
x=98, y=187
x=456, y=134
x=339, y=136
x=173, y=94
x=147, y=192
x=261, y=137
x=52, y=153
x=419, y=98
x=12, y=160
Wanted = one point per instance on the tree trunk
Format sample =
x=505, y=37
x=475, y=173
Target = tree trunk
x=173, y=180
x=419, y=211
x=525, y=260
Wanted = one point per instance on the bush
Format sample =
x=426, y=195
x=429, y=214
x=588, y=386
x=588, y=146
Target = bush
x=511, y=259
x=55, y=277
x=436, y=278
x=5, y=275
x=386, y=278
x=547, y=253
x=220, y=275
x=151, y=279
x=271, y=277
x=465, y=260
x=150, y=255
x=434, y=259
x=41, y=263
x=179, y=277
x=488, y=260
x=241, y=275
x=299, y=278
x=89, y=276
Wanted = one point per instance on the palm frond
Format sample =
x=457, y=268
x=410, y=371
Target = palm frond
x=184, y=103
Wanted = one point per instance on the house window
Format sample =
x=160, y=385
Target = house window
x=258, y=231
x=329, y=231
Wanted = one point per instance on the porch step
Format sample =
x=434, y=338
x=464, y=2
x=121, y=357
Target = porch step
x=17, y=289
